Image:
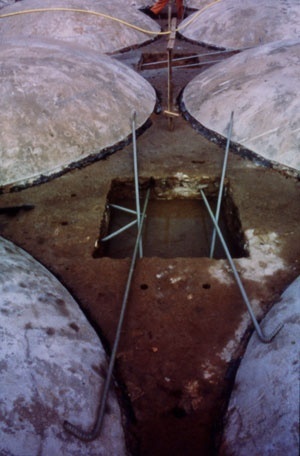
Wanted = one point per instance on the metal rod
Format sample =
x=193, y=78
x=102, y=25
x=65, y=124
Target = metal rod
x=192, y=65
x=136, y=178
x=261, y=335
x=124, y=209
x=169, y=14
x=170, y=48
x=213, y=239
x=188, y=57
x=89, y=436
x=124, y=228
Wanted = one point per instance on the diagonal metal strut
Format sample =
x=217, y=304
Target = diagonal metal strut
x=74, y=430
x=264, y=338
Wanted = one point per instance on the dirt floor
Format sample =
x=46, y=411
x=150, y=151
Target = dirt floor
x=186, y=324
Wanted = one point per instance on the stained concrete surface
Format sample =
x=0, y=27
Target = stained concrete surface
x=263, y=413
x=92, y=31
x=236, y=24
x=52, y=366
x=186, y=325
x=261, y=86
x=64, y=109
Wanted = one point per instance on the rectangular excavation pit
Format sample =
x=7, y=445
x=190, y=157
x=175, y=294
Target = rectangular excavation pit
x=177, y=222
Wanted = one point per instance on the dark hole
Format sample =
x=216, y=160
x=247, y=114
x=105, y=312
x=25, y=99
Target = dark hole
x=173, y=228
x=206, y=286
x=144, y=286
x=178, y=412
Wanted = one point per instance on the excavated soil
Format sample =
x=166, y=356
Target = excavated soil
x=176, y=360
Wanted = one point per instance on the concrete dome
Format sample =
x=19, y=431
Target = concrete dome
x=263, y=412
x=62, y=106
x=236, y=24
x=136, y=3
x=52, y=366
x=261, y=86
x=197, y=4
x=88, y=30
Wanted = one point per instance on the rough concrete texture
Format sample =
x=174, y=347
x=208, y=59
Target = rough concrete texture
x=261, y=86
x=52, y=366
x=61, y=106
x=137, y=3
x=236, y=24
x=198, y=4
x=4, y=3
x=263, y=413
x=89, y=30
x=186, y=324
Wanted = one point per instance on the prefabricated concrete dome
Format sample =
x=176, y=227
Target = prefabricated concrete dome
x=52, y=366
x=137, y=3
x=62, y=107
x=236, y=24
x=100, y=25
x=6, y=3
x=198, y=4
x=261, y=86
x=263, y=412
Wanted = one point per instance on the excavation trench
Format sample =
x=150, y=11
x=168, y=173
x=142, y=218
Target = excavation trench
x=177, y=224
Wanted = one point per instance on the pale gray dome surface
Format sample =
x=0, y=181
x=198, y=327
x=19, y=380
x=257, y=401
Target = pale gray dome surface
x=263, y=412
x=62, y=106
x=52, y=366
x=261, y=86
x=236, y=24
x=90, y=30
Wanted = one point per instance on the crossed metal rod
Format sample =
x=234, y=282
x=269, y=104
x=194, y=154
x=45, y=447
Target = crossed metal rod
x=71, y=428
x=215, y=220
x=89, y=436
x=137, y=211
x=213, y=239
x=216, y=230
x=92, y=435
x=264, y=338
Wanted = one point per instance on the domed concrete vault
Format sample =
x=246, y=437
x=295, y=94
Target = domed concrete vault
x=104, y=26
x=52, y=366
x=63, y=106
x=236, y=24
x=261, y=86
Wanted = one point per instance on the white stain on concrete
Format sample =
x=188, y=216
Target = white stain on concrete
x=265, y=259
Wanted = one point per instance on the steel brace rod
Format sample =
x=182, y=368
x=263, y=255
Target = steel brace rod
x=74, y=430
x=137, y=212
x=261, y=335
x=213, y=238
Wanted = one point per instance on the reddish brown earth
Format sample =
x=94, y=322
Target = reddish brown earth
x=174, y=384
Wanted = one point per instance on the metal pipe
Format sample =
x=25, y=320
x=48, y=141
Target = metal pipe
x=124, y=209
x=136, y=178
x=261, y=335
x=213, y=238
x=192, y=65
x=207, y=54
x=89, y=436
x=112, y=235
